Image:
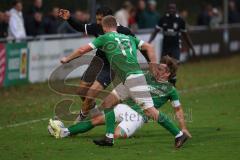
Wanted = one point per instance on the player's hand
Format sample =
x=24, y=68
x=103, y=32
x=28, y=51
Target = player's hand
x=187, y=132
x=64, y=14
x=153, y=67
x=64, y=60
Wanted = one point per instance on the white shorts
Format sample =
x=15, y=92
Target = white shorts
x=129, y=120
x=137, y=88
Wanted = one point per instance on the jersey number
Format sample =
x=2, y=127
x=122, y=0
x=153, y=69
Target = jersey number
x=124, y=44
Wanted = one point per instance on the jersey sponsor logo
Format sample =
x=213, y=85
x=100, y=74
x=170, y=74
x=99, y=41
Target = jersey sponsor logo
x=110, y=46
x=160, y=90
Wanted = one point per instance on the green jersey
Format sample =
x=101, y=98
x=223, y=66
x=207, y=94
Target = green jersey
x=121, y=52
x=161, y=92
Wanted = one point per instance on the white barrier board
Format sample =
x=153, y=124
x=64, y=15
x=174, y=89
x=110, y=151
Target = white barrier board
x=45, y=55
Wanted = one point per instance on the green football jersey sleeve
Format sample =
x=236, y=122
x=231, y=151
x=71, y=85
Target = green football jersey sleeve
x=174, y=98
x=174, y=95
x=138, y=42
x=98, y=42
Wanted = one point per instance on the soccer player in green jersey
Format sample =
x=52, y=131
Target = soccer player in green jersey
x=121, y=52
x=131, y=119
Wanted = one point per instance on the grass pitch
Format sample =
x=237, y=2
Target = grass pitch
x=210, y=93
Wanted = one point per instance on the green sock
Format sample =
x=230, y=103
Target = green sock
x=164, y=121
x=81, y=127
x=110, y=122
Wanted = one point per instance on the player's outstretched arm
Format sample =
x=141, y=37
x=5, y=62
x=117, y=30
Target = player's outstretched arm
x=66, y=15
x=187, y=38
x=77, y=53
x=152, y=57
x=150, y=52
x=153, y=35
x=180, y=117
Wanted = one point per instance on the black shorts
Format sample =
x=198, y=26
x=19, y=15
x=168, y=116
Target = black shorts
x=173, y=52
x=100, y=70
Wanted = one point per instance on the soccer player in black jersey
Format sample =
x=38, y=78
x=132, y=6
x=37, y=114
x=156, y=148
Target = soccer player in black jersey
x=98, y=75
x=173, y=28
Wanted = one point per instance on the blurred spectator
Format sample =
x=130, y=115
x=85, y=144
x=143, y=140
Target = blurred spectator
x=52, y=22
x=87, y=16
x=80, y=16
x=16, y=22
x=141, y=16
x=6, y=19
x=37, y=6
x=132, y=23
x=216, y=18
x=233, y=15
x=122, y=15
x=36, y=26
x=205, y=16
x=3, y=24
x=152, y=15
x=184, y=14
x=34, y=22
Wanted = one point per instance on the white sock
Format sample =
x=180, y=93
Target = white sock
x=109, y=135
x=179, y=134
x=64, y=132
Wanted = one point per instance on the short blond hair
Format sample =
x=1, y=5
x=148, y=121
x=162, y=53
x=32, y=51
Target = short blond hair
x=109, y=22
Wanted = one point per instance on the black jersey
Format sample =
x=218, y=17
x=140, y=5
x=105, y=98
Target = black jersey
x=96, y=30
x=172, y=28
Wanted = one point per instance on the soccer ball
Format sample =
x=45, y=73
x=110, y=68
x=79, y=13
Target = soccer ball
x=57, y=122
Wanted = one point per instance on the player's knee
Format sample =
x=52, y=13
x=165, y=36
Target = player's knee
x=83, y=88
x=110, y=101
x=98, y=120
x=107, y=105
x=152, y=113
x=120, y=133
x=117, y=135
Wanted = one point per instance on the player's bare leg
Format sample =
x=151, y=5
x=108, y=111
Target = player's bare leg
x=89, y=101
x=109, y=102
x=83, y=88
x=153, y=113
x=119, y=133
x=82, y=91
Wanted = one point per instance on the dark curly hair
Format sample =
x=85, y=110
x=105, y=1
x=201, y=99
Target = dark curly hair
x=15, y=2
x=104, y=11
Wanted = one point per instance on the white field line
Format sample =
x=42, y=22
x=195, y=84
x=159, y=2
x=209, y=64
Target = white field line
x=24, y=123
x=215, y=85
